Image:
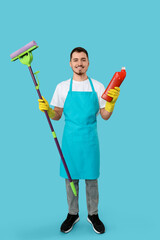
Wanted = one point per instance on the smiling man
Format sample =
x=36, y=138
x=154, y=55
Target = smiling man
x=79, y=98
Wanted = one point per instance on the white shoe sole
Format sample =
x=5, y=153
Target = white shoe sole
x=72, y=225
x=93, y=226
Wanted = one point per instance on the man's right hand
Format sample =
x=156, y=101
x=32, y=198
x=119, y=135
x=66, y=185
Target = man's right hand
x=44, y=106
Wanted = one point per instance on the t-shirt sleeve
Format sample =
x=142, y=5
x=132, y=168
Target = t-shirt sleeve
x=57, y=99
x=102, y=102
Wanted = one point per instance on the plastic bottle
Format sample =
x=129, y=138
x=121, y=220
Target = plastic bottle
x=115, y=82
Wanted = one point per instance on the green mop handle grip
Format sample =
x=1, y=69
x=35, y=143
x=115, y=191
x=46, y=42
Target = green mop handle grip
x=54, y=135
x=73, y=188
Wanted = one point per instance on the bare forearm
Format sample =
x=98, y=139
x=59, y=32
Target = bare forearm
x=57, y=113
x=105, y=114
x=57, y=116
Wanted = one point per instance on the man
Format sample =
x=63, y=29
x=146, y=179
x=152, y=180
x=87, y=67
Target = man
x=79, y=98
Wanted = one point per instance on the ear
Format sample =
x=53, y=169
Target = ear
x=70, y=63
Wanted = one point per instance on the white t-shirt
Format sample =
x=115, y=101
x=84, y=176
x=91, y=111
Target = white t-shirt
x=62, y=89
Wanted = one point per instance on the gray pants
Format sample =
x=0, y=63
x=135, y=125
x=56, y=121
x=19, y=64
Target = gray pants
x=92, y=196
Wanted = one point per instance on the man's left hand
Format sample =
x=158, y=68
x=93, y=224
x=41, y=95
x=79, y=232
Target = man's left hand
x=114, y=93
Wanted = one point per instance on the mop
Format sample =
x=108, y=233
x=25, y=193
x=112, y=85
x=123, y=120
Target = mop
x=25, y=56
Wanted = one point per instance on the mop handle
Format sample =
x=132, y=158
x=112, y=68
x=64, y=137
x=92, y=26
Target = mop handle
x=25, y=56
x=51, y=127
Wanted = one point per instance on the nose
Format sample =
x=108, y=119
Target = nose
x=79, y=63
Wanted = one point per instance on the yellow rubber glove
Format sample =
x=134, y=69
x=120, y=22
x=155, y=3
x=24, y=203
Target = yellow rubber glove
x=44, y=106
x=114, y=93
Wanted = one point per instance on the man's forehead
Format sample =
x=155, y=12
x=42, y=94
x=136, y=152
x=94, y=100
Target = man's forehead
x=79, y=55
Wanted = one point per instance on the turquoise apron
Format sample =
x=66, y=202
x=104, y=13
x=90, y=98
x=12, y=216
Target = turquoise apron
x=80, y=145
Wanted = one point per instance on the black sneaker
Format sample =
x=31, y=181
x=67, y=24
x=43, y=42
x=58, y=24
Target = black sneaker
x=98, y=226
x=68, y=224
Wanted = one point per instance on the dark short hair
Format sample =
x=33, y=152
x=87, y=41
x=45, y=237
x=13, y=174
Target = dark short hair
x=78, y=49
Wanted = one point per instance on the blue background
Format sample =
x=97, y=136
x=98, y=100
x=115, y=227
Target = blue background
x=115, y=33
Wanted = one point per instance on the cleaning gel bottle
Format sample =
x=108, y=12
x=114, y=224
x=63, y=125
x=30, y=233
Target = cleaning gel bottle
x=115, y=82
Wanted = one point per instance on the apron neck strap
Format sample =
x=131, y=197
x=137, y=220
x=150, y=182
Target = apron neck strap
x=91, y=84
x=70, y=89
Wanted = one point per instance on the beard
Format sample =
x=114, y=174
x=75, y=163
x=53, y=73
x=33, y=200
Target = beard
x=78, y=72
